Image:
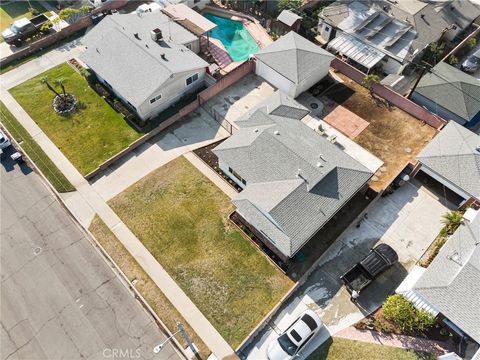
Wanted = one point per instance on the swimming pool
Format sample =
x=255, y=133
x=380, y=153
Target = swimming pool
x=234, y=36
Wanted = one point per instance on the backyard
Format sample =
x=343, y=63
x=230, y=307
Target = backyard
x=343, y=349
x=182, y=218
x=13, y=10
x=392, y=135
x=87, y=136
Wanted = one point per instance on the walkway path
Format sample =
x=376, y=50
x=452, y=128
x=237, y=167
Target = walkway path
x=212, y=175
x=86, y=202
x=401, y=341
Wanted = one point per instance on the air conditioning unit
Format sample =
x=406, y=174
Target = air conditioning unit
x=156, y=35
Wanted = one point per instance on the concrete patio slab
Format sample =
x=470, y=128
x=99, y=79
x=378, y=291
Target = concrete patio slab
x=242, y=96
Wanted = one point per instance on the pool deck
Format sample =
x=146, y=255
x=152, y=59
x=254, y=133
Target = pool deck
x=217, y=49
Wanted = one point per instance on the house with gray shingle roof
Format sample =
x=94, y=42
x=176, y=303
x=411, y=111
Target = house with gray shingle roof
x=450, y=93
x=391, y=33
x=450, y=287
x=294, y=180
x=293, y=64
x=149, y=61
x=453, y=159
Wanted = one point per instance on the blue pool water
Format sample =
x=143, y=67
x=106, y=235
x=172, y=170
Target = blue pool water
x=234, y=36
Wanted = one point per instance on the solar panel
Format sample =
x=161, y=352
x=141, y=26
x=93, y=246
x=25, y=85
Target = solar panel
x=367, y=21
x=397, y=36
x=379, y=27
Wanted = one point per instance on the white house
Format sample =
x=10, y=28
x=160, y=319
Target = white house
x=149, y=61
x=293, y=64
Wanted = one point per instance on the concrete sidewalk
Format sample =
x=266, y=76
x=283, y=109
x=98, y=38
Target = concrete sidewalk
x=86, y=202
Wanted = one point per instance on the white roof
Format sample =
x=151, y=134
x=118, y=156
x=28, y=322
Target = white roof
x=288, y=17
x=356, y=50
x=189, y=18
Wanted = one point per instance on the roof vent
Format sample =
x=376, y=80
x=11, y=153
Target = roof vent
x=276, y=132
x=255, y=130
x=299, y=175
x=321, y=157
x=422, y=16
x=163, y=57
x=319, y=164
x=478, y=148
x=156, y=35
x=136, y=36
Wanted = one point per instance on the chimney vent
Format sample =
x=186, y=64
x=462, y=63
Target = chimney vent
x=136, y=36
x=163, y=57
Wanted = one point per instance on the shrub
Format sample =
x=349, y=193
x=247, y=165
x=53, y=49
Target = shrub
x=33, y=11
x=472, y=42
x=400, y=311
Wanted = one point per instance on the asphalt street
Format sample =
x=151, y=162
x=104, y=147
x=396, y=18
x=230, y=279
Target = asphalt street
x=59, y=298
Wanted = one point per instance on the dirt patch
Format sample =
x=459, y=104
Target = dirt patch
x=206, y=154
x=392, y=135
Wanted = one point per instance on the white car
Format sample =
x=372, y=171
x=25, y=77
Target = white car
x=4, y=142
x=293, y=340
x=98, y=3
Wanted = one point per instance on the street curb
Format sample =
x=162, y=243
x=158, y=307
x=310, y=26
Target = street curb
x=104, y=255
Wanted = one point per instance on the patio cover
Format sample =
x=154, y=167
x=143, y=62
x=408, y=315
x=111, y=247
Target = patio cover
x=356, y=50
x=190, y=19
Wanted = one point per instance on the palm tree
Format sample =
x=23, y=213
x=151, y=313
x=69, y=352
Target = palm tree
x=452, y=220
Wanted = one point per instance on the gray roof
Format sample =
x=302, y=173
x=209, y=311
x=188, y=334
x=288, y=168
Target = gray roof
x=288, y=17
x=452, y=281
x=453, y=155
x=452, y=89
x=268, y=151
x=295, y=57
x=428, y=19
x=133, y=67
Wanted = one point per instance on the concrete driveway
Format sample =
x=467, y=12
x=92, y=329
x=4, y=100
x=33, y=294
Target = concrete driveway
x=408, y=220
x=196, y=130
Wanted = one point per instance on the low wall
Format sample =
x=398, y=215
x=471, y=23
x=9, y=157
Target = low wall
x=391, y=96
x=208, y=93
x=44, y=42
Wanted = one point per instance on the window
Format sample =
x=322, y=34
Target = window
x=234, y=173
x=327, y=28
x=192, y=79
x=156, y=98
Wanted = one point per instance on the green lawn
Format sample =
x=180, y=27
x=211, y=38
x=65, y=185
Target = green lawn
x=344, y=349
x=182, y=218
x=34, y=151
x=13, y=10
x=88, y=136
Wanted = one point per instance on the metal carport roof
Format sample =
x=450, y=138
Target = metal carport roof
x=356, y=50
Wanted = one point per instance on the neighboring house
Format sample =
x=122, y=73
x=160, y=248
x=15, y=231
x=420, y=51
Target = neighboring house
x=294, y=180
x=450, y=287
x=148, y=61
x=453, y=159
x=293, y=64
x=391, y=33
x=450, y=93
x=287, y=21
